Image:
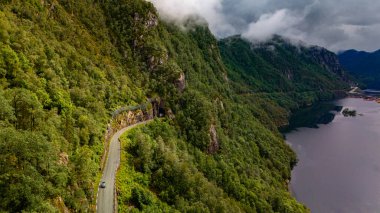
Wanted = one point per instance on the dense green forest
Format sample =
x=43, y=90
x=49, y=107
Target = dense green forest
x=280, y=66
x=66, y=65
x=62, y=74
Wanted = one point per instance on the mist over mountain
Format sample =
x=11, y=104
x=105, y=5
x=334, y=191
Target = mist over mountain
x=336, y=25
x=279, y=65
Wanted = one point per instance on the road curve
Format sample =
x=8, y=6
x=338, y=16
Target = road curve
x=105, y=197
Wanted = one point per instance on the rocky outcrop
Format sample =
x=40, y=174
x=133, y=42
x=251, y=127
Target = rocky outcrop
x=130, y=117
x=225, y=77
x=124, y=117
x=161, y=58
x=214, y=143
x=60, y=204
x=63, y=158
x=151, y=20
x=181, y=82
x=170, y=114
x=327, y=60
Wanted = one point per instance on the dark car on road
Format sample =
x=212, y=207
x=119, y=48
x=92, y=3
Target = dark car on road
x=103, y=184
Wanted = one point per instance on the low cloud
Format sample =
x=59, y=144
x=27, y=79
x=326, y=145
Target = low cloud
x=337, y=25
x=281, y=22
x=211, y=11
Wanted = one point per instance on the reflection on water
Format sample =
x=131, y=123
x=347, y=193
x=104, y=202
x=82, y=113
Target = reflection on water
x=339, y=163
x=320, y=113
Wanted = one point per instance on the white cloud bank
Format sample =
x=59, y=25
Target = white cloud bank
x=337, y=25
x=280, y=22
x=179, y=11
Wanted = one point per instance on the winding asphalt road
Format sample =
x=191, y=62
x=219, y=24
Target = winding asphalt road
x=105, y=198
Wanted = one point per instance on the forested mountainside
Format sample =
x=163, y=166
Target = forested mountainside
x=364, y=66
x=280, y=66
x=287, y=75
x=66, y=65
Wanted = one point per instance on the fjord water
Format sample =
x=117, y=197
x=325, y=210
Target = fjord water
x=339, y=163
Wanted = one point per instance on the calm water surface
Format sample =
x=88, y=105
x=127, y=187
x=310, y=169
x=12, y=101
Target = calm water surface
x=339, y=163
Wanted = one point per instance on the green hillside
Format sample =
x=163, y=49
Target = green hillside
x=279, y=66
x=66, y=66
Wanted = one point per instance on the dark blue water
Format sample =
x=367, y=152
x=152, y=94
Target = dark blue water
x=339, y=163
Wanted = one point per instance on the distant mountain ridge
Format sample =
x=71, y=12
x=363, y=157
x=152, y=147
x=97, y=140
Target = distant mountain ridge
x=363, y=65
x=279, y=65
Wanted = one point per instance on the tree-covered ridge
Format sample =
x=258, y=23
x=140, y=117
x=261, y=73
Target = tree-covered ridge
x=247, y=163
x=280, y=66
x=66, y=65
x=250, y=163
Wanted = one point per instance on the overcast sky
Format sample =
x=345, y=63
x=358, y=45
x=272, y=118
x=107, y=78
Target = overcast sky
x=334, y=24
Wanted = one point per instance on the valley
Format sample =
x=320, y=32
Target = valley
x=112, y=106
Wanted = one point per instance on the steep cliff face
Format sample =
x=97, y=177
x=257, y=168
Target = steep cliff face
x=327, y=59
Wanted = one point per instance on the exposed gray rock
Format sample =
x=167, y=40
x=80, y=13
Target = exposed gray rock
x=152, y=21
x=181, y=82
x=214, y=143
x=327, y=59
